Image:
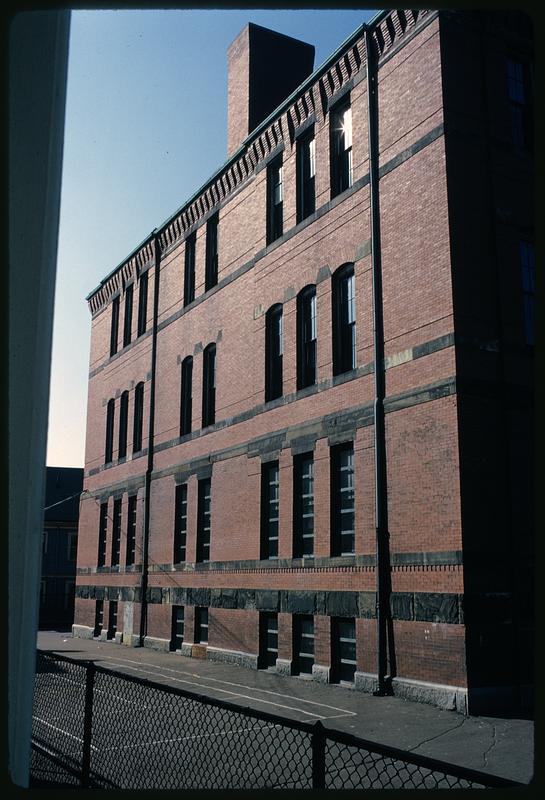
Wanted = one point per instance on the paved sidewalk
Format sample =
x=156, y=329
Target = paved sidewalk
x=499, y=746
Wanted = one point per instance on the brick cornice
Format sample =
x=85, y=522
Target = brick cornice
x=310, y=100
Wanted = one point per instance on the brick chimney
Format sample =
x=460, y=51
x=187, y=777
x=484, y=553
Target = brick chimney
x=264, y=67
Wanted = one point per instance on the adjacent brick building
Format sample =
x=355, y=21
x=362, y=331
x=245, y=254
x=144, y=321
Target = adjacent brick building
x=365, y=255
x=63, y=487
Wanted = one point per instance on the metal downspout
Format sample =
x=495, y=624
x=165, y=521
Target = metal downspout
x=381, y=496
x=149, y=468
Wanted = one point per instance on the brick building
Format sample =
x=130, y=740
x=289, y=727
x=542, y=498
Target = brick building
x=310, y=390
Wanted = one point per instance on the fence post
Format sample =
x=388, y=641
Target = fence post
x=318, y=756
x=87, y=724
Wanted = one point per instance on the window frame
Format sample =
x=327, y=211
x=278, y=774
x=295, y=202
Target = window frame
x=99, y=618
x=112, y=619
x=186, y=395
x=212, y=252
x=142, y=303
x=343, y=327
x=115, y=550
x=274, y=334
x=299, y=656
x=341, y=163
x=127, y=318
x=102, y=535
x=341, y=662
x=306, y=174
x=268, y=654
x=336, y=499
x=180, y=524
x=209, y=386
x=301, y=472
x=204, y=520
x=138, y=418
x=132, y=511
x=175, y=635
x=275, y=207
x=270, y=510
x=110, y=424
x=307, y=346
x=114, y=326
x=123, y=425
x=201, y=626
x=189, y=268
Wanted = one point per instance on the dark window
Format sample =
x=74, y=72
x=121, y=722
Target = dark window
x=519, y=104
x=189, y=270
x=201, y=625
x=131, y=531
x=69, y=595
x=527, y=262
x=72, y=546
x=303, y=643
x=341, y=148
x=303, y=505
x=211, y=267
x=102, y=533
x=127, y=322
x=342, y=500
x=343, y=649
x=203, y=520
x=123, y=422
x=99, y=617
x=344, y=320
x=177, y=637
x=116, y=533
x=180, y=523
x=186, y=403
x=275, y=196
x=112, y=619
x=273, y=353
x=209, y=386
x=268, y=639
x=143, y=303
x=270, y=495
x=306, y=337
x=114, y=330
x=306, y=171
x=110, y=412
x=138, y=418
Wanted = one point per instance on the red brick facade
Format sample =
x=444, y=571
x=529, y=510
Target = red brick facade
x=432, y=343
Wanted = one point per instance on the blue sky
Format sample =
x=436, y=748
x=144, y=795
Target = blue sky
x=146, y=125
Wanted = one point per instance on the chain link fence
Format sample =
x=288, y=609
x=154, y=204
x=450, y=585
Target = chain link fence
x=96, y=727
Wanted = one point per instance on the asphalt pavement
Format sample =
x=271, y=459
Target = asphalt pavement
x=495, y=745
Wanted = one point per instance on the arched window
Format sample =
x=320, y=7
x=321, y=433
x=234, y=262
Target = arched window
x=306, y=337
x=186, y=404
x=138, y=418
x=344, y=319
x=143, y=303
x=109, y=449
x=127, y=322
x=209, y=386
x=114, y=330
x=123, y=420
x=273, y=352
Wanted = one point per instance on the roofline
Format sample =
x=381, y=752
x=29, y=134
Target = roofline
x=121, y=263
x=379, y=16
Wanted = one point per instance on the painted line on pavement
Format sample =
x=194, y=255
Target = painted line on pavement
x=126, y=662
